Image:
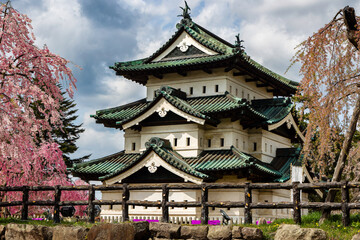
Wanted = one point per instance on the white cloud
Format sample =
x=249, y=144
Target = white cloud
x=270, y=29
x=97, y=140
x=61, y=26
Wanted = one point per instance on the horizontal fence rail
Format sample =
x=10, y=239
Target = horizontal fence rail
x=345, y=205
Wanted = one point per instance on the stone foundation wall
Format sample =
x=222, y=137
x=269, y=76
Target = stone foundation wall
x=128, y=231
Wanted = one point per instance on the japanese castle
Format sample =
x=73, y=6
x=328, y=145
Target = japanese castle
x=211, y=114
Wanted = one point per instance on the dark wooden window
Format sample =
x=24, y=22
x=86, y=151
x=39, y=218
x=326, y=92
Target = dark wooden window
x=191, y=90
x=133, y=146
x=255, y=146
x=204, y=89
x=209, y=142
x=188, y=141
x=216, y=88
x=222, y=142
x=175, y=142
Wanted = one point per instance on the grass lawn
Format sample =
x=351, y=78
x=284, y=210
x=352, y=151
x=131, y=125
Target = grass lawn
x=332, y=226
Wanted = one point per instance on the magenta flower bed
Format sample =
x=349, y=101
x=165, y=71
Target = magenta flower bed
x=210, y=222
x=147, y=220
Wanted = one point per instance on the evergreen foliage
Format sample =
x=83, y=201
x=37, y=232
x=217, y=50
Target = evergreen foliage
x=68, y=134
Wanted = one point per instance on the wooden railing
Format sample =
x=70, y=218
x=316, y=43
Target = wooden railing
x=345, y=206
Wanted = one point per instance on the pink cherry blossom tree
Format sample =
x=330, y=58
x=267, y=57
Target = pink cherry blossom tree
x=330, y=96
x=28, y=81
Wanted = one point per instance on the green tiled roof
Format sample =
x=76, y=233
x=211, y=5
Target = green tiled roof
x=105, y=165
x=173, y=100
x=121, y=112
x=142, y=66
x=274, y=110
x=226, y=55
x=230, y=159
x=285, y=157
x=209, y=108
x=203, y=166
x=166, y=154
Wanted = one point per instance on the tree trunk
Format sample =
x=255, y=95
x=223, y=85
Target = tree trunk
x=342, y=157
x=351, y=27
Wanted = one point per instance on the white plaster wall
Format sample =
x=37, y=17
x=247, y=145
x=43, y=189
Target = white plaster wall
x=278, y=195
x=237, y=85
x=111, y=195
x=181, y=132
x=232, y=133
x=270, y=142
x=132, y=136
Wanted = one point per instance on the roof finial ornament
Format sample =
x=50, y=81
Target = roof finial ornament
x=186, y=19
x=186, y=12
x=238, y=46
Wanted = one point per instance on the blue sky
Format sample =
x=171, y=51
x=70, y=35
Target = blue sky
x=94, y=34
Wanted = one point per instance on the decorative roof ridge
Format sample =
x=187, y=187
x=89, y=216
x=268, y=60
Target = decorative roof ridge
x=242, y=154
x=203, y=41
x=107, y=110
x=238, y=100
x=215, y=36
x=171, y=91
x=267, y=71
x=180, y=163
x=159, y=142
x=165, y=45
x=189, y=109
x=186, y=107
x=254, y=162
x=163, y=153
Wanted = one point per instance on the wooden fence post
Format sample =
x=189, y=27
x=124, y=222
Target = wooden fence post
x=56, y=206
x=25, y=199
x=344, y=204
x=165, y=199
x=248, y=200
x=125, y=206
x=91, y=206
x=296, y=202
x=204, y=208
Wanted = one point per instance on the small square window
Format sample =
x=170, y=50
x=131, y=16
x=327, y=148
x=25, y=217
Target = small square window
x=222, y=142
x=191, y=91
x=209, y=142
x=255, y=146
x=133, y=146
x=188, y=141
x=216, y=88
x=175, y=142
x=204, y=89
